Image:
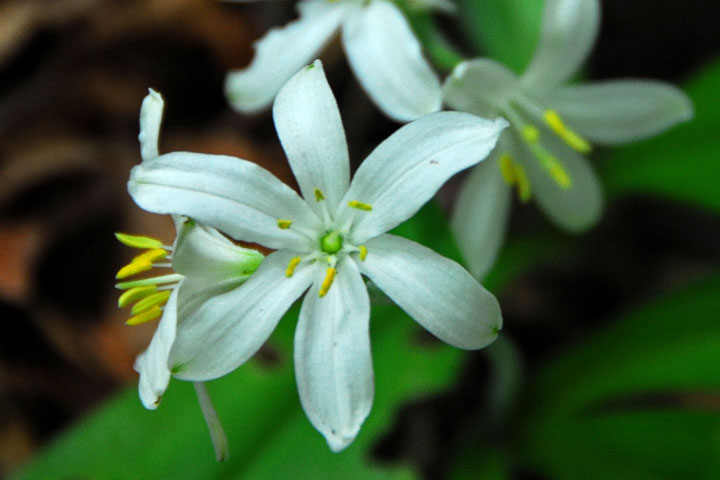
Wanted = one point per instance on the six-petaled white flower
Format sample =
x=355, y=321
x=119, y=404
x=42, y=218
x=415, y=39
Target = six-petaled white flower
x=378, y=41
x=552, y=125
x=324, y=242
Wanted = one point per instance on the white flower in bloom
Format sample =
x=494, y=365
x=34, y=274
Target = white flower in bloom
x=380, y=46
x=324, y=242
x=552, y=125
x=204, y=264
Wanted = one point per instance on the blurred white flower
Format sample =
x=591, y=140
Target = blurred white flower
x=552, y=127
x=324, y=242
x=378, y=41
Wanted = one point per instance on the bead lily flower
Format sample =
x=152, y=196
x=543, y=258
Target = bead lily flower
x=202, y=264
x=324, y=242
x=552, y=127
x=381, y=49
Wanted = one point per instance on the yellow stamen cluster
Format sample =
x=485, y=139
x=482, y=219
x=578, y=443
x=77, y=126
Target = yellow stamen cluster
x=514, y=174
x=147, y=298
x=549, y=162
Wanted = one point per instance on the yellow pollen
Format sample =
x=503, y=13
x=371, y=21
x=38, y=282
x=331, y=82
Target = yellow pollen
x=558, y=173
x=329, y=277
x=135, y=294
x=144, y=317
x=137, y=241
x=507, y=169
x=360, y=205
x=570, y=137
x=523, y=184
x=291, y=266
x=319, y=195
x=531, y=134
x=284, y=224
x=155, y=300
x=133, y=268
x=363, y=252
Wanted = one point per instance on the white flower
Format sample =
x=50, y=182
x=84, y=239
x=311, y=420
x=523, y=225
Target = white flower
x=552, y=125
x=324, y=243
x=380, y=46
x=204, y=264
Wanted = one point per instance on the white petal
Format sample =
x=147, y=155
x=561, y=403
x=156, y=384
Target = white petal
x=308, y=123
x=226, y=330
x=569, y=30
x=281, y=53
x=151, y=113
x=202, y=251
x=235, y=196
x=152, y=364
x=621, y=111
x=437, y=292
x=481, y=214
x=479, y=87
x=406, y=170
x=387, y=61
x=576, y=208
x=333, y=365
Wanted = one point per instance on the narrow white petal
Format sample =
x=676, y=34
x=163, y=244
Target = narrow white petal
x=406, y=170
x=569, y=30
x=152, y=364
x=281, y=53
x=437, y=292
x=151, y=113
x=479, y=86
x=620, y=111
x=308, y=123
x=235, y=196
x=576, y=208
x=333, y=365
x=387, y=61
x=481, y=214
x=201, y=251
x=221, y=333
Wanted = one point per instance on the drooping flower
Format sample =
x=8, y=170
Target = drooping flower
x=202, y=263
x=380, y=46
x=324, y=242
x=552, y=126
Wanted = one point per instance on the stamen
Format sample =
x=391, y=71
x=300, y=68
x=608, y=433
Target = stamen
x=523, y=184
x=151, y=255
x=319, y=195
x=531, y=134
x=137, y=241
x=363, y=252
x=155, y=300
x=135, y=294
x=145, y=317
x=284, y=224
x=176, y=277
x=570, y=137
x=507, y=169
x=291, y=266
x=360, y=205
x=133, y=268
x=327, y=282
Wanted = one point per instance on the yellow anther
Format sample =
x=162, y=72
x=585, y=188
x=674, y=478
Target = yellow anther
x=363, y=252
x=360, y=205
x=284, y=224
x=151, y=256
x=137, y=241
x=558, y=173
x=569, y=136
x=507, y=169
x=151, y=301
x=523, y=184
x=329, y=277
x=319, y=195
x=291, y=266
x=531, y=134
x=135, y=294
x=133, y=268
x=144, y=317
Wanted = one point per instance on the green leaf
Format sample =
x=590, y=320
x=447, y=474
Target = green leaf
x=505, y=30
x=638, y=400
x=682, y=164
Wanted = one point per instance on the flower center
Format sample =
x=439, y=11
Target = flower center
x=331, y=243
